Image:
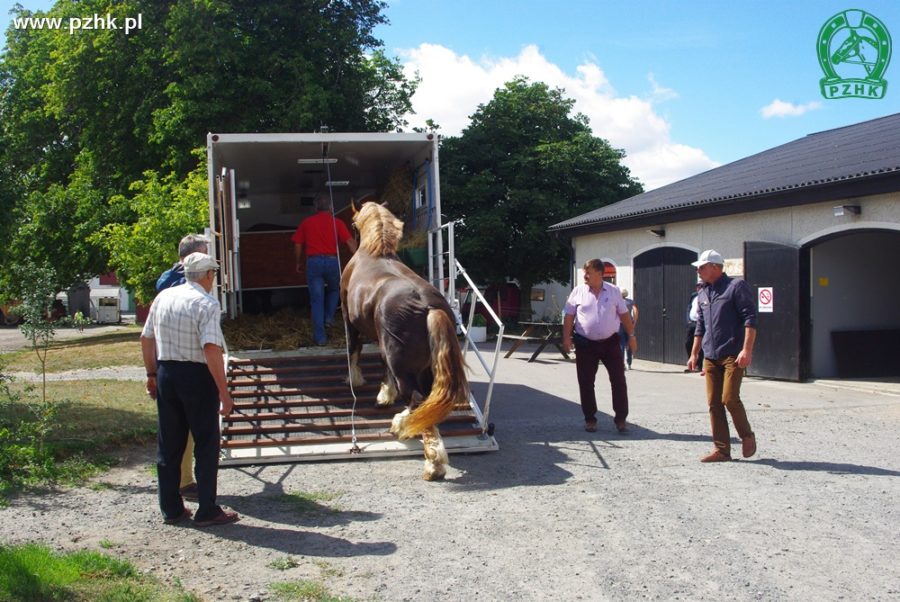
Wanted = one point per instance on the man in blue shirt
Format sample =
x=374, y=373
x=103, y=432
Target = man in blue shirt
x=726, y=331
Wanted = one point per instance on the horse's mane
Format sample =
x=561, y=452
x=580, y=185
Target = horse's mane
x=379, y=231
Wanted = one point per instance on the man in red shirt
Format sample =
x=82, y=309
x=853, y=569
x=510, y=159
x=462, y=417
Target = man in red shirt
x=317, y=237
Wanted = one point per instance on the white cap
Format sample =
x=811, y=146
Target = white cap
x=197, y=263
x=709, y=256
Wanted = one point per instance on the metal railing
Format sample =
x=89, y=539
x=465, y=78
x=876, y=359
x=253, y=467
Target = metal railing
x=490, y=370
x=442, y=255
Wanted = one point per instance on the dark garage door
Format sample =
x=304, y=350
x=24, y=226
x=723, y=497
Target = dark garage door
x=663, y=283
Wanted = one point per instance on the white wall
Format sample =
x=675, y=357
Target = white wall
x=792, y=225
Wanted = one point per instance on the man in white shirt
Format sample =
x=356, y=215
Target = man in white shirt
x=182, y=345
x=595, y=310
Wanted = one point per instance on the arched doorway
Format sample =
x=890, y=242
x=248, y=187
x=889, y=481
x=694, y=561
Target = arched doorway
x=854, y=315
x=663, y=283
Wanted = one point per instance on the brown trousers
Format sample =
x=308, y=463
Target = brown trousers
x=723, y=391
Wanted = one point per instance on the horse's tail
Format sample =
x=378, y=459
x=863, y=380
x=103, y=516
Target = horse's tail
x=450, y=386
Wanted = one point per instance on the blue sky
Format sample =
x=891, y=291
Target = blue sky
x=681, y=86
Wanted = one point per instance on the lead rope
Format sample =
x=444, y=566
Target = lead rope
x=354, y=447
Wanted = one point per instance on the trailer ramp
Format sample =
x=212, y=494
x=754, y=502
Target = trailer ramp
x=297, y=407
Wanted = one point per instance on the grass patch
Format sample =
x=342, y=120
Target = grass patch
x=113, y=349
x=303, y=502
x=304, y=591
x=90, y=418
x=283, y=564
x=33, y=572
x=328, y=570
x=96, y=414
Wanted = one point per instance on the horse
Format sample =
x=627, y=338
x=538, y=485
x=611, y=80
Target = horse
x=851, y=51
x=415, y=329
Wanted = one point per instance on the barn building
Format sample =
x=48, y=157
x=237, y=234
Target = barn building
x=813, y=226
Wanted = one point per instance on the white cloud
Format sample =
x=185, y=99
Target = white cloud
x=780, y=108
x=454, y=85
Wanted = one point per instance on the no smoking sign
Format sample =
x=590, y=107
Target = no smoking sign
x=766, y=299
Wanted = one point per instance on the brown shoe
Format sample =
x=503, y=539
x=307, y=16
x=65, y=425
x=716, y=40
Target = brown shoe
x=590, y=426
x=223, y=518
x=748, y=445
x=622, y=427
x=716, y=456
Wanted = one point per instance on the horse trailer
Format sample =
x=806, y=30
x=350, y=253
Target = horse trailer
x=261, y=186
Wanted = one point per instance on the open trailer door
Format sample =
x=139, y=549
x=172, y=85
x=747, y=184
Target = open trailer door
x=226, y=243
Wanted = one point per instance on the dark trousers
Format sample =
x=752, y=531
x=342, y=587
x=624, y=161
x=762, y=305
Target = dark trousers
x=723, y=391
x=187, y=400
x=588, y=355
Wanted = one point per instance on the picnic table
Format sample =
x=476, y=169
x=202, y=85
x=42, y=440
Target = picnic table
x=544, y=333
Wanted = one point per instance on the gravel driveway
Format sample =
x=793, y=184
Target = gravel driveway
x=557, y=513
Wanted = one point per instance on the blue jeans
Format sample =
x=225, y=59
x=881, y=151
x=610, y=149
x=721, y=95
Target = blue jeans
x=623, y=344
x=322, y=271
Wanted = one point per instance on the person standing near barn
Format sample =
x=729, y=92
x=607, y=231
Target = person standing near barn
x=693, y=310
x=181, y=345
x=623, y=336
x=726, y=332
x=192, y=243
x=593, y=314
x=317, y=238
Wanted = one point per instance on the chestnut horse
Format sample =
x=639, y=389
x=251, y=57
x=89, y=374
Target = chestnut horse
x=387, y=302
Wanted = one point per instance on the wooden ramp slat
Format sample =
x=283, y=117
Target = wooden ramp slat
x=244, y=443
x=298, y=407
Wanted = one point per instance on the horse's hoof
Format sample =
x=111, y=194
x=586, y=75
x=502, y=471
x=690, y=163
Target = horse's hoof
x=434, y=474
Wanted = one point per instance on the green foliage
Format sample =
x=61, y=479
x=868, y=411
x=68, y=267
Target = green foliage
x=34, y=572
x=166, y=209
x=25, y=423
x=304, y=591
x=523, y=164
x=284, y=563
x=478, y=320
x=85, y=117
x=79, y=321
x=37, y=288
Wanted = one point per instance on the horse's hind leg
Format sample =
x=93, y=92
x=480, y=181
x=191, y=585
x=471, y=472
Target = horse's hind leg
x=436, y=459
x=354, y=344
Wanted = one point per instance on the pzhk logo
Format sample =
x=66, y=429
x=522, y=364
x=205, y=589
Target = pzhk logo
x=854, y=51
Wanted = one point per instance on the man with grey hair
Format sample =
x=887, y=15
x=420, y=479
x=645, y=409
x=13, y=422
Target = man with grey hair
x=317, y=238
x=726, y=332
x=192, y=243
x=181, y=345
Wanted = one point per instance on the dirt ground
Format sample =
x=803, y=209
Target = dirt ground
x=557, y=513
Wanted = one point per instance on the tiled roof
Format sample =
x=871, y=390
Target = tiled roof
x=856, y=152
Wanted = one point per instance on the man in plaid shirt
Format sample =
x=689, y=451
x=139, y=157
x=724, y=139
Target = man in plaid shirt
x=182, y=345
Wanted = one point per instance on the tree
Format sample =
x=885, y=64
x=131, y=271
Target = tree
x=166, y=210
x=83, y=116
x=523, y=164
